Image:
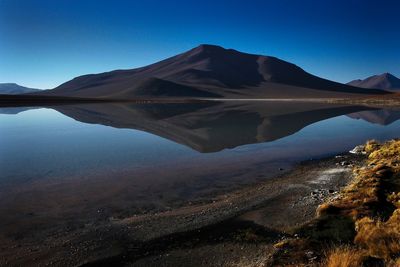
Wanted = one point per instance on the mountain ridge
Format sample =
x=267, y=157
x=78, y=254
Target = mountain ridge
x=385, y=81
x=14, y=89
x=208, y=71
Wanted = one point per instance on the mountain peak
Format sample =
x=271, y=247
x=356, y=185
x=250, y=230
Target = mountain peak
x=388, y=75
x=386, y=81
x=385, y=75
x=204, y=70
x=208, y=47
x=211, y=50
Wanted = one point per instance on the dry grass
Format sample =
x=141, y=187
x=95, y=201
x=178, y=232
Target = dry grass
x=362, y=197
x=344, y=257
x=371, y=146
x=377, y=100
x=372, y=200
x=394, y=263
x=380, y=239
x=369, y=209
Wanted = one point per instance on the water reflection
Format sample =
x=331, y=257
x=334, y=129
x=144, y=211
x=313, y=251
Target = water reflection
x=382, y=117
x=211, y=127
x=68, y=169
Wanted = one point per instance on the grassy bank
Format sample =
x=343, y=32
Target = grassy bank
x=358, y=227
x=391, y=100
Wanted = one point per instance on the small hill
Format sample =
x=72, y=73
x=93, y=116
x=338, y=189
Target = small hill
x=385, y=81
x=15, y=89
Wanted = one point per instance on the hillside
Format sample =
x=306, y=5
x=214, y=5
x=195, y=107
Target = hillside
x=209, y=71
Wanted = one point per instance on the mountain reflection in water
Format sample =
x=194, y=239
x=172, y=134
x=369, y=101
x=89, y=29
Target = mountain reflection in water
x=212, y=126
x=72, y=168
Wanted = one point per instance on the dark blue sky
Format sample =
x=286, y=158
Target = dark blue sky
x=45, y=43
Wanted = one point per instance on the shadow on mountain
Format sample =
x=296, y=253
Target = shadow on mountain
x=210, y=126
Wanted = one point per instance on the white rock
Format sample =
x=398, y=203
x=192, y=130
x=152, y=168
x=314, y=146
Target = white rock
x=358, y=150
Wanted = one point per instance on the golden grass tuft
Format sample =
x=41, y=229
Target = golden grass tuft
x=388, y=153
x=371, y=146
x=357, y=198
x=394, y=198
x=344, y=257
x=380, y=239
x=394, y=263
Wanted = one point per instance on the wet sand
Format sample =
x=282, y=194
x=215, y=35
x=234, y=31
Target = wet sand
x=227, y=229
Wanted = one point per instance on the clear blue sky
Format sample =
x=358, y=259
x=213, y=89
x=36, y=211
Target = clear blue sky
x=45, y=43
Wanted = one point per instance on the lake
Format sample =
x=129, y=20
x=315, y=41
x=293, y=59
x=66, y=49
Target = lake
x=72, y=164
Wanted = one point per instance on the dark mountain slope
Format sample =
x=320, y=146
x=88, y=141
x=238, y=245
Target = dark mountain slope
x=208, y=71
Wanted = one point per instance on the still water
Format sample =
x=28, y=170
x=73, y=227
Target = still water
x=123, y=159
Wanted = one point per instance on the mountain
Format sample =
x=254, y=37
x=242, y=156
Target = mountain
x=385, y=81
x=15, y=89
x=209, y=71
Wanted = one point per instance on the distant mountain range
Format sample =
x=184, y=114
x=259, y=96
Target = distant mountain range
x=15, y=89
x=209, y=71
x=385, y=81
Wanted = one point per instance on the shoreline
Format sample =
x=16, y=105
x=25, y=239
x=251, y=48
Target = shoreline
x=48, y=100
x=223, y=224
x=360, y=226
x=276, y=222
x=298, y=193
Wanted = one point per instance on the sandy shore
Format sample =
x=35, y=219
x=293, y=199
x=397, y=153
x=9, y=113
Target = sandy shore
x=229, y=229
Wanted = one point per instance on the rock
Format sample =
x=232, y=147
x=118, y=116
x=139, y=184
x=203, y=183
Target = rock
x=358, y=150
x=309, y=254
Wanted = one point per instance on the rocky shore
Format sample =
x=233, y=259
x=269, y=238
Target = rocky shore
x=359, y=226
x=240, y=228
